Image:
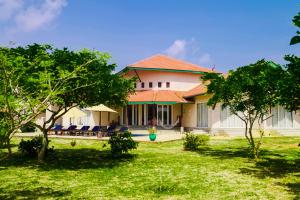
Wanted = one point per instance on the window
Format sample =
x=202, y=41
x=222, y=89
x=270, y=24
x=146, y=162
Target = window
x=168, y=84
x=281, y=118
x=159, y=84
x=202, y=115
x=150, y=84
x=142, y=85
x=229, y=120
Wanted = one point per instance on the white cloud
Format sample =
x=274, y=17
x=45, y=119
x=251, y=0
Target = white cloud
x=27, y=16
x=8, y=8
x=189, y=50
x=35, y=17
x=177, y=49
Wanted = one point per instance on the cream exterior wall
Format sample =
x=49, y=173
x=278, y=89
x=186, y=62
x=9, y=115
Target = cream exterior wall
x=214, y=121
x=178, y=81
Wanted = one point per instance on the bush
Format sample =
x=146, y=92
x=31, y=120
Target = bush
x=27, y=128
x=3, y=140
x=4, y=127
x=193, y=142
x=73, y=143
x=121, y=143
x=31, y=147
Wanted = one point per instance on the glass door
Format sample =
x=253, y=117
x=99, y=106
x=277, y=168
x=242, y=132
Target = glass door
x=164, y=114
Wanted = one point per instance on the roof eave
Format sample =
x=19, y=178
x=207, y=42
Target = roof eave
x=160, y=69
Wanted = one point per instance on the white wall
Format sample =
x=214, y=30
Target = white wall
x=215, y=126
x=178, y=81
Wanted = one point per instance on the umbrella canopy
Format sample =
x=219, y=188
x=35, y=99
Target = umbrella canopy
x=74, y=112
x=101, y=108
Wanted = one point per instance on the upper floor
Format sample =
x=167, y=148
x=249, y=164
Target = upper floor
x=161, y=72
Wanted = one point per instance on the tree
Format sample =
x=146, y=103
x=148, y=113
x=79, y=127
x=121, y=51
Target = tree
x=289, y=84
x=249, y=92
x=296, y=21
x=61, y=79
x=18, y=106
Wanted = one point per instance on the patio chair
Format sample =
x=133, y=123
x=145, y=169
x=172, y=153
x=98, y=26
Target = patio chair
x=71, y=129
x=110, y=131
x=95, y=130
x=123, y=129
x=56, y=129
x=83, y=130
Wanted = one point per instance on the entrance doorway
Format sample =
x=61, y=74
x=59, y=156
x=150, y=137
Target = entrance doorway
x=164, y=114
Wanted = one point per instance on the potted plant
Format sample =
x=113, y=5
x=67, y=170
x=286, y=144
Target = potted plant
x=152, y=133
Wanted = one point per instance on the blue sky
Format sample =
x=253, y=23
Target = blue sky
x=224, y=34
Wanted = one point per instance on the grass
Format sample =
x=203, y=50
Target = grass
x=155, y=171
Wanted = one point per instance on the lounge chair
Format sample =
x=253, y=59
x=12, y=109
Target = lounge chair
x=123, y=129
x=71, y=129
x=110, y=131
x=95, y=130
x=56, y=129
x=83, y=130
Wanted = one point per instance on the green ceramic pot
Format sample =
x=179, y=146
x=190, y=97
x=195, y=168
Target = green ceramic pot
x=152, y=136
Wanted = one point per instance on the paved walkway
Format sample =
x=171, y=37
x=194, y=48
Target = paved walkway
x=137, y=135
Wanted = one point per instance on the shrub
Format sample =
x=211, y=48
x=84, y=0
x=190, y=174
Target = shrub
x=4, y=127
x=3, y=140
x=27, y=128
x=193, y=142
x=73, y=143
x=31, y=147
x=121, y=143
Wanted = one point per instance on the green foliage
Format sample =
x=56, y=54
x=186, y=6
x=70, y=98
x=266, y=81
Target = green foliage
x=31, y=147
x=152, y=130
x=39, y=77
x=4, y=127
x=249, y=92
x=296, y=21
x=289, y=84
x=194, y=142
x=121, y=143
x=27, y=128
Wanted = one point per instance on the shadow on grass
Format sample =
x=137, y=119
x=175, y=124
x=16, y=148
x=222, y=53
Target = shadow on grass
x=37, y=193
x=71, y=159
x=271, y=164
x=295, y=188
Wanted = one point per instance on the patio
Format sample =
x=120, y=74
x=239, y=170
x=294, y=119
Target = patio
x=139, y=135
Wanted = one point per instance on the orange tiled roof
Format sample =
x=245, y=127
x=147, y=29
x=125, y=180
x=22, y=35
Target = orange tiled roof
x=200, y=89
x=165, y=62
x=157, y=96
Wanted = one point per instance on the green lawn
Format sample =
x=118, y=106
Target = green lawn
x=156, y=171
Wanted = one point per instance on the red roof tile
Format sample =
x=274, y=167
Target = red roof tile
x=165, y=62
x=200, y=89
x=157, y=96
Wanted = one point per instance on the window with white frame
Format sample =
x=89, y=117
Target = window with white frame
x=281, y=118
x=229, y=120
x=202, y=115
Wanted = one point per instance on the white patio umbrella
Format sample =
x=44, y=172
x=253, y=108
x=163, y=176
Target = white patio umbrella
x=101, y=108
x=73, y=113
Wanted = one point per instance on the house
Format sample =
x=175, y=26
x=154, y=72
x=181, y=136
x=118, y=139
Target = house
x=170, y=93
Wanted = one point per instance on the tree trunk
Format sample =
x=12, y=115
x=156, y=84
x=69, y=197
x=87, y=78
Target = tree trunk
x=42, y=151
x=254, y=150
x=8, y=147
